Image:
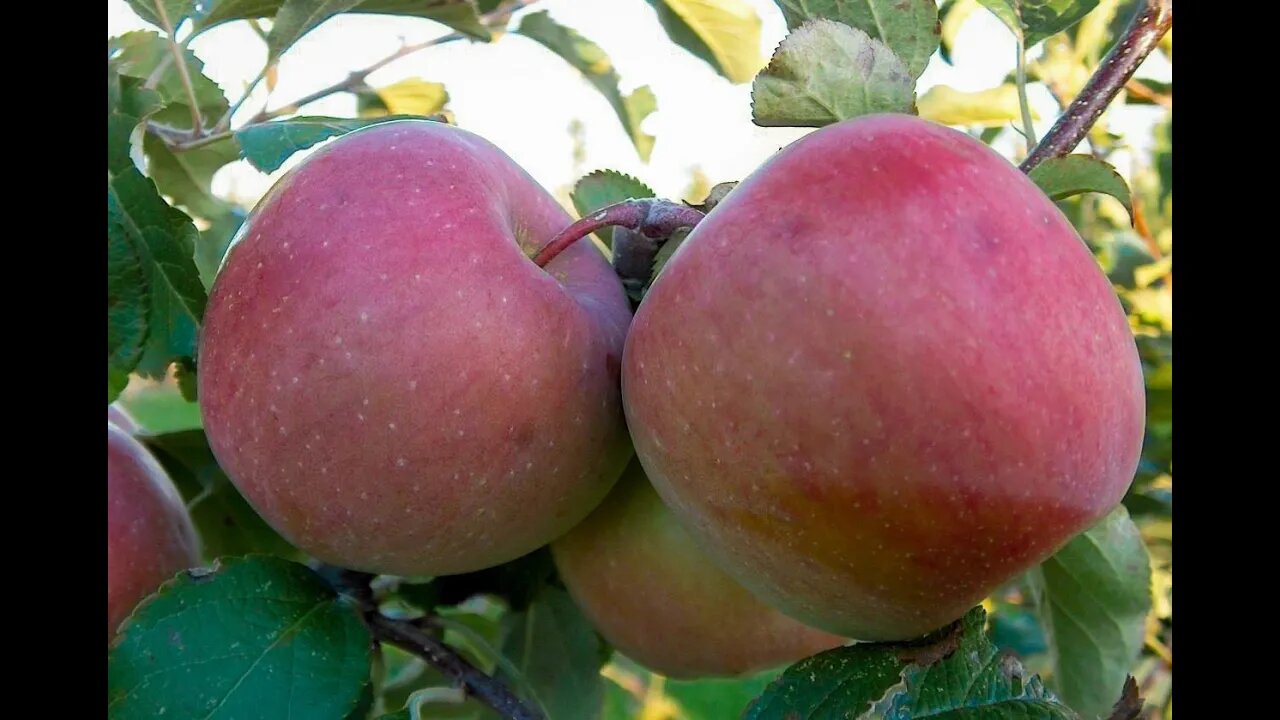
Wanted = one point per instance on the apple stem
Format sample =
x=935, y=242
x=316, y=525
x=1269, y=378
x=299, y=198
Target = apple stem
x=650, y=217
x=1150, y=22
x=410, y=637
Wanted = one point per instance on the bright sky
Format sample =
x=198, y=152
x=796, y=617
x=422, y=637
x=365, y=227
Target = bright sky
x=523, y=98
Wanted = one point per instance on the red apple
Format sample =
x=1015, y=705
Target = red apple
x=390, y=380
x=643, y=582
x=882, y=377
x=149, y=533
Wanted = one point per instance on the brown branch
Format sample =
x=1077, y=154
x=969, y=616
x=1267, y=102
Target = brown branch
x=354, y=81
x=1152, y=20
x=410, y=637
x=651, y=218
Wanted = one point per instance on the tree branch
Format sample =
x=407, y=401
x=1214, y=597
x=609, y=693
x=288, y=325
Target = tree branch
x=225, y=121
x=1152, y=20
x=353, y=81
x=408, y=636
x=651, y=218
x=197, y=122
x=475, y=683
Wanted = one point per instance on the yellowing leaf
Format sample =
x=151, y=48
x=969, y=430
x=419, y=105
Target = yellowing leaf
x=984, y=108
x=412, y=96
x=724, y=33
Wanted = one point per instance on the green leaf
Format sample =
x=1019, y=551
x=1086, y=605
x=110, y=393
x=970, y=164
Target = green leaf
x=164, y=14
x=128, y=275
x=824, y=72
x=714, y=699
x=907, y=27
x=256, y=637
x=214, y=243
x=985, y=108
x=618, y=703
x=296, y=18
x=411, y=96
x=227, y=524
x=141, y=53
x=219, y=11
x=723, y=33
x=116, y=382
x=1017, y=630
x=955, y=674
x=665, y=253
x=1006, y=11
x=187, y=176
x=594, y=64
x=128, y=305
x=268, y=145
x=1093, y=597
x=1043, y=18
x=1069, y=175
x=603, y=188
x=163, y=239
x=1035, y=20
x=558, y=653
x=460, y=15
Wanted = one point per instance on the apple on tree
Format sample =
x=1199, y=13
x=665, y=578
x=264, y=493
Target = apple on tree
x=391, y=381
x=119, y=417
x=654, y=594
x=149, y=533
x=882, y=377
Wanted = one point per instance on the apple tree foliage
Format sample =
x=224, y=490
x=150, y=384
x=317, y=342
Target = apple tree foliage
x=265, y=632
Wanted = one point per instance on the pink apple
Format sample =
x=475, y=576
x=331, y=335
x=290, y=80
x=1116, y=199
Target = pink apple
x=388, y=378
x=149, y=533
x=883, y=377
x=649, y=589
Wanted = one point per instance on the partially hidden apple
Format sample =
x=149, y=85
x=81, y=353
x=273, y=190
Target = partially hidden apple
x=642, y=580
x=882, y=377
x=117, y=416
x=150, y=537
x=390, y=380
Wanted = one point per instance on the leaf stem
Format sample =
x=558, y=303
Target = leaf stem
x=225, y=121
x=1028, y=129
x=1150, y=22
x=200, y=141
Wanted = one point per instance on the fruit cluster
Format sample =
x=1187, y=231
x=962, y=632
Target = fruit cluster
x=880, y=378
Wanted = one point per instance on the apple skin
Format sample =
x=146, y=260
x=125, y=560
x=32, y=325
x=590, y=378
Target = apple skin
x=121, y=419
x=150, y=537
x=389, y=379
x=882, y=377
x=645, y=585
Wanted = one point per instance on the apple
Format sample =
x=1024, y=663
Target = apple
x=883, y=377
x=390, y=380
x=643, y=582
x=121, y=419
x=149, y=533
